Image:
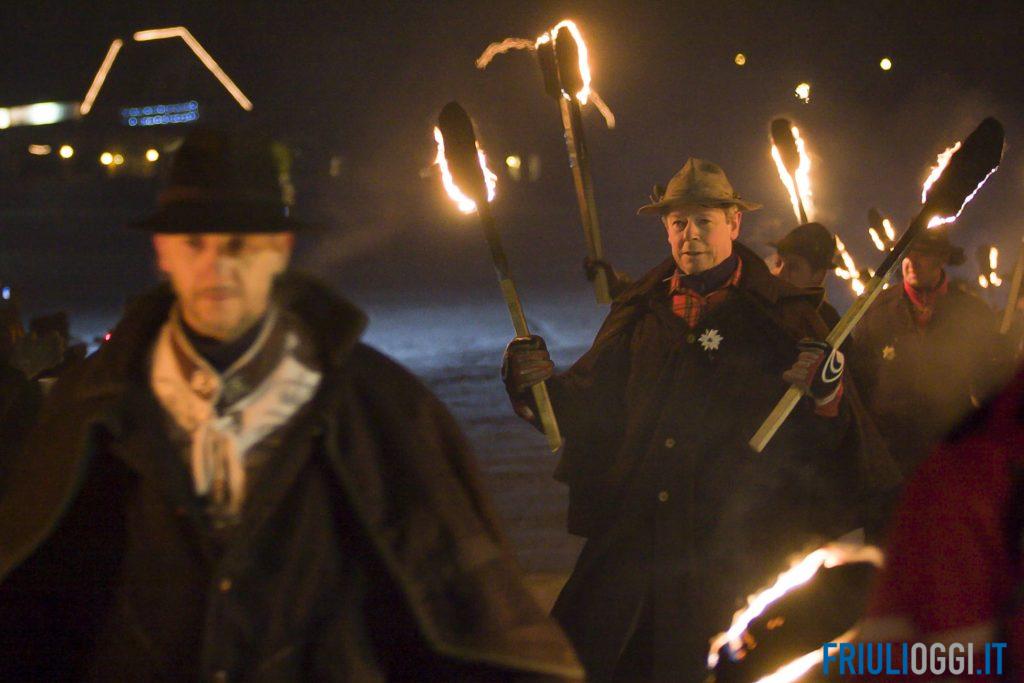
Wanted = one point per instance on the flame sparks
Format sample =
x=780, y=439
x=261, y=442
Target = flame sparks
x=801, y=571
x=464, y=203
x=586, y=92
x=799, y=185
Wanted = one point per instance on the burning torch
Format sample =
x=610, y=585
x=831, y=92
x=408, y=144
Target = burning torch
x=794, y=165
x=564, y=64
x=952, y=183
x=881, y=231
x=471, y=185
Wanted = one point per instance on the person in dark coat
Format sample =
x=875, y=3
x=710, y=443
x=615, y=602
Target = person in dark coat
x=235, y=488
x=806, y=255
x=682, y=519
x=927, y=353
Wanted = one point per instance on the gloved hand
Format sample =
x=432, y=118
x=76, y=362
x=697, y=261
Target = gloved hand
x=526, y=362
x=818, y=371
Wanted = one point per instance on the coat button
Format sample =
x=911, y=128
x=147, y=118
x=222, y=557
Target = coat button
x=225, y=585
x=670, y=442
x=663, y=496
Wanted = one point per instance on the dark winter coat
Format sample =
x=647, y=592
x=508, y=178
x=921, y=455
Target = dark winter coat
x=918, y=382
x=366, y=550
x=682, y=517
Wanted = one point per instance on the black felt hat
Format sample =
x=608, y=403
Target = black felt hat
x=226, y=181
x=814, y=242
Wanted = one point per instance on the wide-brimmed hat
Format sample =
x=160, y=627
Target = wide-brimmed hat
x=698, y=182
x=226, y=181
x=936, y=241
x=813, y=242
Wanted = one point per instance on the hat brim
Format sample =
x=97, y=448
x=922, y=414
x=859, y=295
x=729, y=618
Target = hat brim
x=197, y=218
x=665, y=205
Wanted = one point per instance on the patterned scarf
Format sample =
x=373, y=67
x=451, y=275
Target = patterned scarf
x=694, y=295
x=226, y=415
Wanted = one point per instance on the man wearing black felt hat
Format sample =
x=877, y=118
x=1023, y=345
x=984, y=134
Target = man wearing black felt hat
x=234, y=487
x=927, y=352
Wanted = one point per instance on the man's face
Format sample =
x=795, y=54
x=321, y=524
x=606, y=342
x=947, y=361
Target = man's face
x=223, y=281
x=700, y=237
x=923, y=269
x=797, y=271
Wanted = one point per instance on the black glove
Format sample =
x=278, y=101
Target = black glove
x=526, y=362
x=818, y=370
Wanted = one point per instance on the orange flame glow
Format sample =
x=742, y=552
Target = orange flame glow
x=995, y=279
x=799, y=573
x=586, y=92
x=936, y=172
x=993, y=258
x=879, y=244
x=464, y=203
x=799, y=185
x=983, y=281
x=890, y=232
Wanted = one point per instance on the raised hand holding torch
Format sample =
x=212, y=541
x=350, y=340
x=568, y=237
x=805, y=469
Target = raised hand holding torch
x=467, y=180
x=960, y=173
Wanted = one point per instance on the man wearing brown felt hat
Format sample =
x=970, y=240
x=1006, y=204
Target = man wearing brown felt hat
x=236, y=488
x=681, y=517
x=927, y=351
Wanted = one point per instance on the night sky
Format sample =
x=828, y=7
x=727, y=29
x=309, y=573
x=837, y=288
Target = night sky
x=365, y=82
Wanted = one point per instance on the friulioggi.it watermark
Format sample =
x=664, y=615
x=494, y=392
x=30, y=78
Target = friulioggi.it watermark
x=912, y=659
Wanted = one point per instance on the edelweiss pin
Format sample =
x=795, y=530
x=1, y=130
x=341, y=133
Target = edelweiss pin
x=889, y=353
x=710, y=340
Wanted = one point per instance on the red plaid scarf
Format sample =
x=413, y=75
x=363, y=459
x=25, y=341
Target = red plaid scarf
x=691, y=306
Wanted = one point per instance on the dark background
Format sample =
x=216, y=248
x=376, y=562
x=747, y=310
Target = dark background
x=364, y=82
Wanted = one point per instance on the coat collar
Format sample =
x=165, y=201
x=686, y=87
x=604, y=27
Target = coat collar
x=335, y=325
x=756, y=280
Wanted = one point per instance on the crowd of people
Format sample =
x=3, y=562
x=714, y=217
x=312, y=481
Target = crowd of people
x=234, y=486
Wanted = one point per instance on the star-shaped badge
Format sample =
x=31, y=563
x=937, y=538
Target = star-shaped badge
x=889, y=353
x=710, y=340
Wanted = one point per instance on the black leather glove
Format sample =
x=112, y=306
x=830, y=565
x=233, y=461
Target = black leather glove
x=526, y=362
x=818, y=370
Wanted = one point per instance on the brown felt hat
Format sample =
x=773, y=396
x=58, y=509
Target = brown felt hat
x=936, y=241
x=698, y=182
x=814, y=242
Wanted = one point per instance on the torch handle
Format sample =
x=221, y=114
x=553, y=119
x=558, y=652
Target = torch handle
x=545, y=412
x=841, y=331
x=579, y=162
x=1011, y=302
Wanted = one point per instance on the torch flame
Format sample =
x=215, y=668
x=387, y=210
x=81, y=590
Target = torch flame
x=464, y=203
x=801, y=571
x=993, y=258
x=879, y=244
x=983, y=281
x=581, y=48
x=802, y=177
x=890, y=232
x=798, y=667
x=849, y=271
x=936, y=172
x=995, y=279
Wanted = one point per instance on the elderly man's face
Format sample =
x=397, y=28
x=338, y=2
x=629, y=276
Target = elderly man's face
x=701, y=237
x=223, y=281
x=797, y=271
x=923, y=269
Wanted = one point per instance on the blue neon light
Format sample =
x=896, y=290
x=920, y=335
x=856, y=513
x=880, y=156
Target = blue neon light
x=161, y=114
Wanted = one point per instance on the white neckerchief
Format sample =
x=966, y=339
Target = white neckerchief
x=191, y=391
